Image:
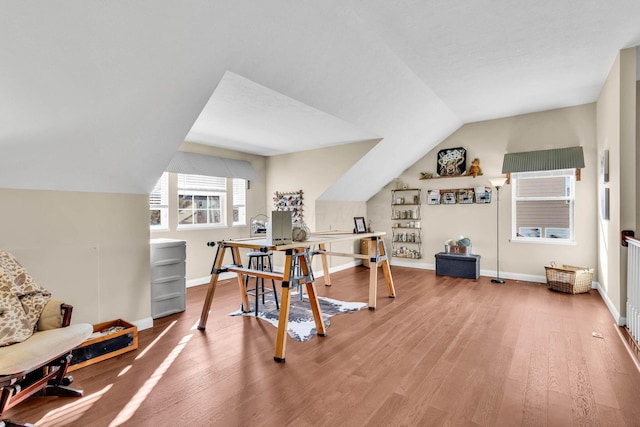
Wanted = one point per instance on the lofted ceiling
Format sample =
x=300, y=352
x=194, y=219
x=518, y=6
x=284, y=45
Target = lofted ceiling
x=97, y=96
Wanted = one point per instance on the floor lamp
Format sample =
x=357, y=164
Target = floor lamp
x=497, y=183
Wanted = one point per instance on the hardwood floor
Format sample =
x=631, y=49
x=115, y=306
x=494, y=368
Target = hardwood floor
x=446, y=351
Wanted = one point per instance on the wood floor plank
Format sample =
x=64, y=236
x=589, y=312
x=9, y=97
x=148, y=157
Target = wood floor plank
x=445, y=352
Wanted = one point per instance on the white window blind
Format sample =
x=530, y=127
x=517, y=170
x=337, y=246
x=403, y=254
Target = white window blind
x=201, y=182
x=159, y=203
x=239, y=201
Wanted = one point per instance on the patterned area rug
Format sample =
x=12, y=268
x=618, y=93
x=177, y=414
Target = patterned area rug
x=301, y=325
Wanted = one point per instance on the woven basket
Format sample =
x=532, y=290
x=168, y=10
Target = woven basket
x=569, y=279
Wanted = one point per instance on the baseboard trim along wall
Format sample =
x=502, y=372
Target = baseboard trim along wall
x=620, y=321
x=143, y=324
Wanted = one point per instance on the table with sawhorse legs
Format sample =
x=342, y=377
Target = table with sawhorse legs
x=297, y=258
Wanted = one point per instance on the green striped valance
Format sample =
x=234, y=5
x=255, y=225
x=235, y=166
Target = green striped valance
x=543, y=160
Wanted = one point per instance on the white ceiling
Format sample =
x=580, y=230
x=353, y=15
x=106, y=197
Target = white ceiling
x=243, y=115
x=97, y=96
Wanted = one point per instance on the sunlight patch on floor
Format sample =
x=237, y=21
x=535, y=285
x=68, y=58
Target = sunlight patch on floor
x=66, y=414
x=127, y=412
x=125, y=370
x=143, y=352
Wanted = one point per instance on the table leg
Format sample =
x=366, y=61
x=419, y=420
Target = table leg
x=215, y=271
x=325, y=265
x=373, y=273
x=313, y=296
x=386, y=268
x=241, y=282
x=315, y=308
x=285, y=302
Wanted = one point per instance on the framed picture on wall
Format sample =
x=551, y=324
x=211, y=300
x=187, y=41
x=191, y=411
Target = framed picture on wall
x=452, y=162
x=604, y=203
x=604, y=166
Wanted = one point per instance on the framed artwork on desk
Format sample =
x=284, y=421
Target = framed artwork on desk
x=361, y=226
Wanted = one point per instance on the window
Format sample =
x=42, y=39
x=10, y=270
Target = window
x=239, y=202
x=159, y=204
x=543, y=206
x=201, y=201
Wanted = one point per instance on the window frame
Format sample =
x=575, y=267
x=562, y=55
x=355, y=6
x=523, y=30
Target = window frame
x=197, y=186
x=570, y=198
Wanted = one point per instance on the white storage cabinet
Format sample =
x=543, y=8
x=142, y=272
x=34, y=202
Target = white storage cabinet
x=168, y=271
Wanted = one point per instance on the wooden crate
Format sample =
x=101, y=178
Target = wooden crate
x=106, y=346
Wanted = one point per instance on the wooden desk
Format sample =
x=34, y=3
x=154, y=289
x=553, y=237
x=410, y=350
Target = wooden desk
x=297, y=254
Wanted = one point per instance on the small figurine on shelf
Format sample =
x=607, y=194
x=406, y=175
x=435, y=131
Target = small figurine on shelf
x=475, y=168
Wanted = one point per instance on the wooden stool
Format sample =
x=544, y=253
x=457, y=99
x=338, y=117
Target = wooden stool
x=260, y=261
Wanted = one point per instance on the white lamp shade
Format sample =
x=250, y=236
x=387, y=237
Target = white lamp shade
x=498, y=182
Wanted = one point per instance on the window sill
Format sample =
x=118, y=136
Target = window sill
x=197, y=227
x=542, y=241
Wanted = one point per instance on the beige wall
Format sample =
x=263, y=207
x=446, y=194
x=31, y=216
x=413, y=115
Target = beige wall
x=89, y=249
x=199, y=255
x=489, y=141
x=616, y=111
x=313, y=172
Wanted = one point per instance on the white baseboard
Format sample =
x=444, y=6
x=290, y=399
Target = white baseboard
x=488, y=273
x=143, y=324
x=620, y=321
x=206, y=279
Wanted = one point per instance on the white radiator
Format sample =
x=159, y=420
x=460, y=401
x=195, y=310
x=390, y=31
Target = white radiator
x=633, y=288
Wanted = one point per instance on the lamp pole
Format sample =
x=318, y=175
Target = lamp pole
x=497, y=183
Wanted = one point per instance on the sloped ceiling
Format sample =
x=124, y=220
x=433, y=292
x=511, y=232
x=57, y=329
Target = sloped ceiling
x=97, y=96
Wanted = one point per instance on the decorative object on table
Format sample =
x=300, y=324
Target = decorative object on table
x=426, y=175
x=360, y=225
x=497, y=183
x=300, y=232
x=290, y=201
x=302, y=326
x=279, y=229
x=475, y=169
x=568, y=278
x=258, y=225
x=452, y=162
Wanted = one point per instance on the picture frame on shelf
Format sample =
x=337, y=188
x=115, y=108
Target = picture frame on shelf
x=360, y=225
